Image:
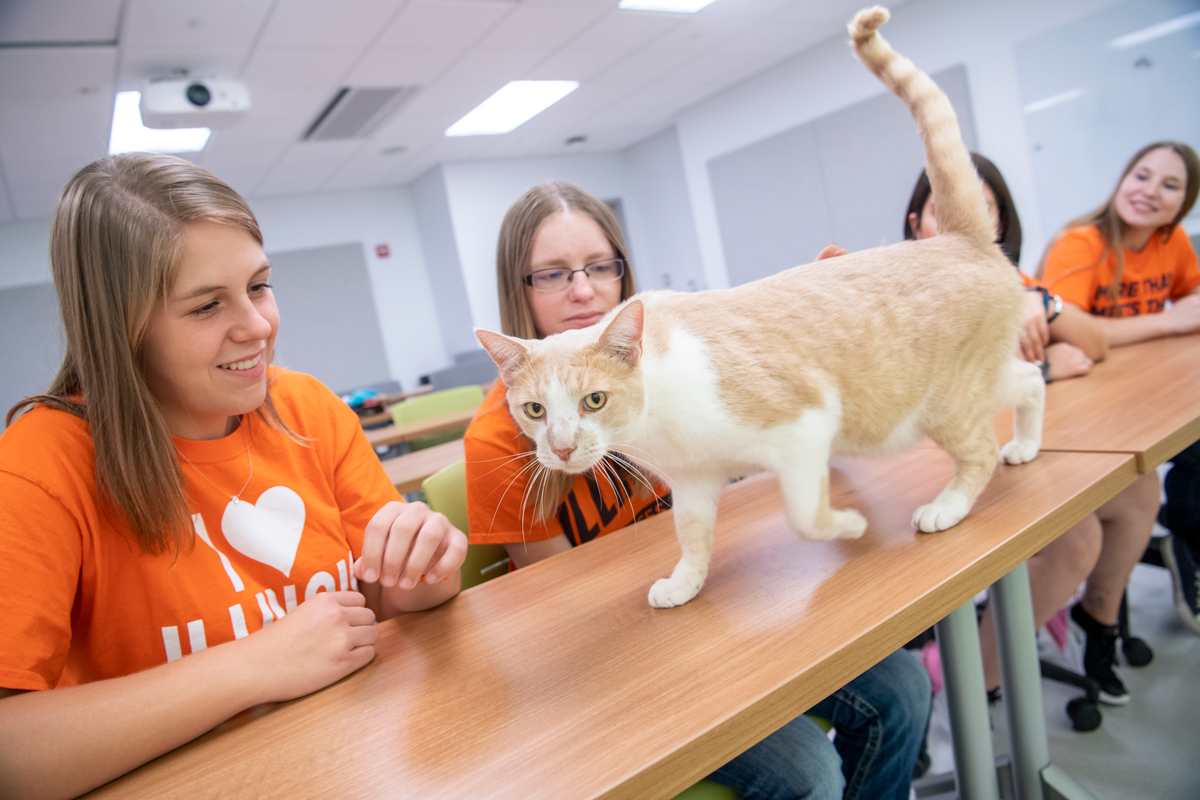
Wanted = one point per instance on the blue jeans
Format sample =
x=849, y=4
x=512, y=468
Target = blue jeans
x=880, y=719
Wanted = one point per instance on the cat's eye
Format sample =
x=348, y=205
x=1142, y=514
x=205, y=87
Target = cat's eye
x=594, y=401
x=535, y=410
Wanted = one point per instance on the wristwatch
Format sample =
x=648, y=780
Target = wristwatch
x=1057, y=307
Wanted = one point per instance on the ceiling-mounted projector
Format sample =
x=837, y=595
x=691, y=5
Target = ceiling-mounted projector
x=193, y=103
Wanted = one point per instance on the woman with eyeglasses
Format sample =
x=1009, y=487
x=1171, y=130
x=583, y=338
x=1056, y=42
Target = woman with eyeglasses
x=561, y=264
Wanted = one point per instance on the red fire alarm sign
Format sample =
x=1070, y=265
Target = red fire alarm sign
x=382, y=251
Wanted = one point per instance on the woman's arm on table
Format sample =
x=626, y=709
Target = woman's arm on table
x=1076, y=326
x=1182, y=317
x=63, y=742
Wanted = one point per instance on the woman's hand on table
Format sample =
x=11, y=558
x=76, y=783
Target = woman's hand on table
x=1035, y=332
x=321, y=641
x=1067, y=361
x=1183, y=316
x=403, y=543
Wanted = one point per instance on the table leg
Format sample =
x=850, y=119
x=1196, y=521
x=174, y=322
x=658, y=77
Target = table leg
x=1016, y=639
x=962, y=665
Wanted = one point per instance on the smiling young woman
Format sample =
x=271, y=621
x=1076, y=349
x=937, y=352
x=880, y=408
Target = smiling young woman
x=184, y=527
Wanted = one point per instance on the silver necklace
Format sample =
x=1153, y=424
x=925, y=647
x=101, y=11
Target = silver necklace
x=235, y=497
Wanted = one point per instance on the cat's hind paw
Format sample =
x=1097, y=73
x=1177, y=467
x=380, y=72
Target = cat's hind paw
x=1019, y=452
x=673, y=591
x=945, y=512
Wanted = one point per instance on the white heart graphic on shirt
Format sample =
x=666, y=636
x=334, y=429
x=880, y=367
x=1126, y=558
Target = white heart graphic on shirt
x=269, y=530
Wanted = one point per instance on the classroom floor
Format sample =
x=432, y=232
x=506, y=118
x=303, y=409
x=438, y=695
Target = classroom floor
x=1148, y=749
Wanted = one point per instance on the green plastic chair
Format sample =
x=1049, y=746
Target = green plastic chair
x=446, y=493
x=424, y=406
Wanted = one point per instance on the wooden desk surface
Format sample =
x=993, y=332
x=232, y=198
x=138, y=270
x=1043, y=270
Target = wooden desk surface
x=1143, y=399
x=393, y=434
x=560, y=681
x=409, y=471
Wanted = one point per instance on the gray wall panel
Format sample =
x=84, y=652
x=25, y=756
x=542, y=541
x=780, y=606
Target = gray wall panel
x=843, y=178
x=31, y=342
x=328, y=326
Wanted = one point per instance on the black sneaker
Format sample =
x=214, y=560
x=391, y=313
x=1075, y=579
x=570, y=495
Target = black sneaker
x=1185, y=575
x=1100, y=656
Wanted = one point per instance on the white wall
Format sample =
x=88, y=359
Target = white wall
x=24, y=253
x=412, y=339
x=935, y=34
x=658, y=212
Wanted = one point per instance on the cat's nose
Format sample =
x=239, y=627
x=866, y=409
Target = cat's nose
x=564, y=452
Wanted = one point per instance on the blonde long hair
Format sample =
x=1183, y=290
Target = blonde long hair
x=115, y=247
x=1112, y=227
x=513, y=252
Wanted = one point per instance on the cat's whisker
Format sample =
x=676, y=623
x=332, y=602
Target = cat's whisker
x=507, y=461
x=511, y=479
x=629, y=459
x=628, y=497
x=508, y=486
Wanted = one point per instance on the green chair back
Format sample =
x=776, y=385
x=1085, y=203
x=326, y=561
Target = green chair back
x=460, y=398
x=446, y=493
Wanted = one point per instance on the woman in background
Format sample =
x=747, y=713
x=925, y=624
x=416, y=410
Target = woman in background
x=183, y=527
x=1075, y=341
x=561, y=264
x=1123, y=263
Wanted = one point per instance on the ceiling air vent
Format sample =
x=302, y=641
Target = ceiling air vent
x=355, y=111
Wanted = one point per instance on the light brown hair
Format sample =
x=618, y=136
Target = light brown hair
x=1112, y=227
x=513, y=252
x=515, y=246
x=115, y=246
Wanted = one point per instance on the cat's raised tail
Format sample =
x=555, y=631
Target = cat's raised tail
x=961, y=207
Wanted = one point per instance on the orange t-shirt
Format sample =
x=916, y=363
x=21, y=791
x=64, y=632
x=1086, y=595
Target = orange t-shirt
x=82, y=603
x=1162, y=271
x=497, y=482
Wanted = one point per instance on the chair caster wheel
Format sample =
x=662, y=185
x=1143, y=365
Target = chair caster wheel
x=1085, y=715
x=1136, y=651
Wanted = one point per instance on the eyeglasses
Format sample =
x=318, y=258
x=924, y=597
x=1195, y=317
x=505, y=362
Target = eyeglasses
x=559, y=278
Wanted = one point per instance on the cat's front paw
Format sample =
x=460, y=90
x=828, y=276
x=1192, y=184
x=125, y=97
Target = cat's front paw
x=945, y=512
x=671, y=592
x=1019, y=452
x=844, y=524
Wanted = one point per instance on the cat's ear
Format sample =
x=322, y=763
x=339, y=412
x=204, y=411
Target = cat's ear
x=508, y=353
x=623, y=336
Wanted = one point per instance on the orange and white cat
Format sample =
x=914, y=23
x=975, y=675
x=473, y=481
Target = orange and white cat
x=861, y=355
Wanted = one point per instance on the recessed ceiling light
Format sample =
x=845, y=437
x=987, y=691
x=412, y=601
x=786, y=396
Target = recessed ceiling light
x=675, y=6
x=1064, y=97
x=130, y=135
x=1153, y=32
x=516, y=103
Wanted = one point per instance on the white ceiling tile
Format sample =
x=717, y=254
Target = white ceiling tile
x=59, y=21
x=295, y=107
x=700, y=34
x=141, y=65
x=304, y=166
x=366, y=168
x=35, y=185
x=252, y=132
x=627, y=29
x=321, y=23
x=406, y=67
x=189, y=24
x=638, y=69
x=483, y=66
x=575, y=63
x=315, y=70
x=56, y=71
x=428, y=24
x=75, y=144
x=45, y=114
x=241, y=167
x=541, y=26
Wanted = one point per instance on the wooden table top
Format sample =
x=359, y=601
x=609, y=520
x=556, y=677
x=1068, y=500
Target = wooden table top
x=1143, y=399
x=560, y=681
x=409, y=471
x=394, y=434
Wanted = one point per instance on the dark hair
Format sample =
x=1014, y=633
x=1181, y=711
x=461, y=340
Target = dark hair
x=1010, y=223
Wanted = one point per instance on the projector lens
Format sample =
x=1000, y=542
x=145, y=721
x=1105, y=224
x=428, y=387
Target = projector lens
x=198, y=94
